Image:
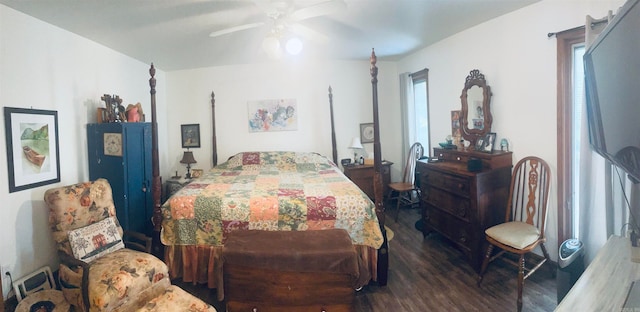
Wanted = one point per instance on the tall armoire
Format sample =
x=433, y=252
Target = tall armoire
x=121, y=153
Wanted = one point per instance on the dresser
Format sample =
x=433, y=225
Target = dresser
x=362, y=176
x=460, y=204
x=121, y=153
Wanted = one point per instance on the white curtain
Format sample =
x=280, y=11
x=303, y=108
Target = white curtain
x=407, y=112
x=603, y=207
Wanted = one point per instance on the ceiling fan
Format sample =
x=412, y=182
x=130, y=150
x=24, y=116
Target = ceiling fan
x=285, y=16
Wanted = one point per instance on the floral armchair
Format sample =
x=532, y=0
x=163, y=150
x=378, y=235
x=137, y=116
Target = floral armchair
x=97, y=272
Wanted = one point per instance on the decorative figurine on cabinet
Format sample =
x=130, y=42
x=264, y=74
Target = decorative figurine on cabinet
x=504, y=145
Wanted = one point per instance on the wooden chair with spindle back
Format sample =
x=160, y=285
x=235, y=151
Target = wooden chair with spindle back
x=526, y=213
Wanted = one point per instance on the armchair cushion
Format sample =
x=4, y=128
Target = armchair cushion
x=119, y=277
x=515, y=234
x=95, y=240
x=172, y=299
x=75, y=206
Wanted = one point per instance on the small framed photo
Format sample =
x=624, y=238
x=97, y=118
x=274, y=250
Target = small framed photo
x=366, y=133
x=479, y=144
x=488, y=141
x=190, y=135
x=196, y=173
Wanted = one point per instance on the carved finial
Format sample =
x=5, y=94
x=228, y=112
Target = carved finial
x=374, y=69
x=330, y=89
x=152, y=80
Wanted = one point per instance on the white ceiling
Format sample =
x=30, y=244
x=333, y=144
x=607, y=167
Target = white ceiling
x=174, y=34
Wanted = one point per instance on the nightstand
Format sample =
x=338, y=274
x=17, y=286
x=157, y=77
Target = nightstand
x=173, y=185
x=362, y=176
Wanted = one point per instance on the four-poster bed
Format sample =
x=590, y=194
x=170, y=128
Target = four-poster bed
x=320, y=197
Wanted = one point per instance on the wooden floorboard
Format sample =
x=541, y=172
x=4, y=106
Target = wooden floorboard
x=429, y=274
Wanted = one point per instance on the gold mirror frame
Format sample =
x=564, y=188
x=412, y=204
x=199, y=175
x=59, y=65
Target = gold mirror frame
x=476, y=131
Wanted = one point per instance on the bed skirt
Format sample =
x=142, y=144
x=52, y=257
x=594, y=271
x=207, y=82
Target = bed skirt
x=202, y=265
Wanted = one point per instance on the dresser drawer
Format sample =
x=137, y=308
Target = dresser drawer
x=456, y=230
x=453, y=204
x=450, y=183
x=452, y=157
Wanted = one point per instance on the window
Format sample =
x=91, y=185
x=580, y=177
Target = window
x=571, y=48
x=420, y=117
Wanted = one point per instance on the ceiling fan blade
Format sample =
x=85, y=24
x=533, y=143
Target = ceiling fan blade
x=308, y=33
x=320, y=9
x=234, y=29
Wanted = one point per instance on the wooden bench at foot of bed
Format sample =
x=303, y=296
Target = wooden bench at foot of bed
x=290, y=271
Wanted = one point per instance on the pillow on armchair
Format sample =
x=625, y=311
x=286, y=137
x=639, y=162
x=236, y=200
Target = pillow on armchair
x=95, y=240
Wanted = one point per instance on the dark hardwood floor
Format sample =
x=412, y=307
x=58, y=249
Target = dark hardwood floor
x=429, y=274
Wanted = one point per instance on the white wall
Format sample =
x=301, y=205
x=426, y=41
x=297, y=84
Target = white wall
x=189, y=98
x=44, y=67
x=519, y=64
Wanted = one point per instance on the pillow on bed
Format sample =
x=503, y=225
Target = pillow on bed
x=277, y=161
x=93, y=241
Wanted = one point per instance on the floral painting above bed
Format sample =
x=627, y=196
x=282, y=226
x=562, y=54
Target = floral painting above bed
x=273, y=115
x=277, y=191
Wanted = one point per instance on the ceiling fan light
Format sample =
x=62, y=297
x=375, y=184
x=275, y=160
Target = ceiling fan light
x=271, y=46
x=294, y=46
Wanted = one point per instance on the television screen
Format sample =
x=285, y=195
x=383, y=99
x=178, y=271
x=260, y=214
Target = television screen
x=612, y=72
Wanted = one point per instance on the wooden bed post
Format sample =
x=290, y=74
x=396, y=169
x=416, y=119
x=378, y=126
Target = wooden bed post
x=213, y=123
x=378, y=186
x=333, y=128
x=156, y=179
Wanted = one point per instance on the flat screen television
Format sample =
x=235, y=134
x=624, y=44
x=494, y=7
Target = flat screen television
x=612, y=82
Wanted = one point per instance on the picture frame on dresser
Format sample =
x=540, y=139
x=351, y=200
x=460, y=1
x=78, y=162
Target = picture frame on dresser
x=488, y=141
x=479, y=144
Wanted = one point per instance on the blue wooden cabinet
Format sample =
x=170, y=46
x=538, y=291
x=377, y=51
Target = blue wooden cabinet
x=121, y=153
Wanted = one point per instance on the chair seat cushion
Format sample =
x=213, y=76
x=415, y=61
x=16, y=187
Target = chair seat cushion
x=515, y=234
x=120, y=276
x=176, y=299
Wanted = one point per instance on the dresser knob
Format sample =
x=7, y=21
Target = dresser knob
x=254, y=310
x=458, y=158
x=460, y=186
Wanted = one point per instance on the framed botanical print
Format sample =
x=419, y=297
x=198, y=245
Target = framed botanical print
x=33, y=156
x=366, y=133
x=190, y=135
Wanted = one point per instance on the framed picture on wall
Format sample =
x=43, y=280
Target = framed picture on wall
x=366, y=133
x=33, y=156
x=190, y=135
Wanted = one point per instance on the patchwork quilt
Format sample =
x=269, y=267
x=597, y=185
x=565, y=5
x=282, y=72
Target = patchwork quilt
x=276, y=191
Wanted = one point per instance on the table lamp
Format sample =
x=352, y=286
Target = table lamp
x=355, y=145
x=187, y=158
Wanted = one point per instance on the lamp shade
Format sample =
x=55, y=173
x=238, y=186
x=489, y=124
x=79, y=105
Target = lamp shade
x=187, y=158
x=355, y=143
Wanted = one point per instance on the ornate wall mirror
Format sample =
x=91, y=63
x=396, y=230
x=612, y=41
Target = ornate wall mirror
x=475, y=115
